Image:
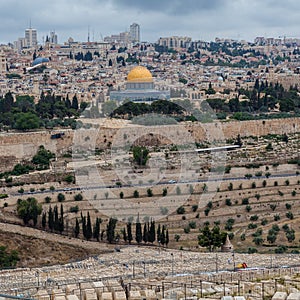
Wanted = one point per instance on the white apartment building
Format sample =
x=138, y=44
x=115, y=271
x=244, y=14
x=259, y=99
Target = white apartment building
x=134, y=31
x=31, y=37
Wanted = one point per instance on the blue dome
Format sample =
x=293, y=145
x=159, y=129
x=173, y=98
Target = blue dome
x=40, y=60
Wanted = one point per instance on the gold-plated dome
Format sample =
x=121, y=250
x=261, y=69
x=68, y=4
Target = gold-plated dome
x=139, y=74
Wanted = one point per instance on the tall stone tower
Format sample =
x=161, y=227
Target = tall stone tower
x=2, y=62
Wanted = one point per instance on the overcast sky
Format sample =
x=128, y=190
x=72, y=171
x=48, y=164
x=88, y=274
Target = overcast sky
x=199, y=19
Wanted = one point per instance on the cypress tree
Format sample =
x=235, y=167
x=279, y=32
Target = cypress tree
x=129, y=233
x=110, y=230
x=138, y=231
x=152, y=232
x=167, y=237
x=50, y=219
x=145, y=234
x=158, y=235
x=163, y=235
x=96, y=232
x=89, y=232
x=44, y=221
x=56, y=220
x=76, y=229
x=83, y=221
x=61, y=225
x=75, y=103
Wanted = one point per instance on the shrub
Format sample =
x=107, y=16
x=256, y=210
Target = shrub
x=293, y=193
x=276, y=217
x=248, y=208
x=264, y=222
x=245, y=201
x=228, y=202
x=61, y=197
x=149, y=193
x=288, y=206
x=254, y=218
x=69, y=178
x=176, y=237
x=253, y=185
x=136, y=194
x=210, y=204
x=74, y=209
x=78, y=197
x=165, y=192
x=252, y=226
x=180, y=210
x=187, y=229
x=206, y=211
x=47, y=199
x=290, y=215
x=273, y=206
x=252, y=250
x=281, y=249
x=243, y=237
x=194, y=208
x=192, y=224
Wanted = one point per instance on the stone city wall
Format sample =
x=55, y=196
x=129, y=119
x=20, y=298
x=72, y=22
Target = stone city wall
x=15, y=147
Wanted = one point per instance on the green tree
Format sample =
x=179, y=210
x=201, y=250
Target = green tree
x=61, y=223
x=78, y=197
x=165, y=192
x=96, y=231
x=26, y=121
x=110, y=230
x=50, y=219
x=146, y=233
x=29, y=209
x=76, y=229
x=140, y=155
x=44, y=220
x=61, y=197
x=211, y=238
x=8, y=260
x=129, y=233
x=167, y=238
x=152, y=232
x=89, y=232
x=138, y=231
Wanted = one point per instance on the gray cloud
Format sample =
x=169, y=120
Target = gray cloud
x=200, y=19
x=170, y=6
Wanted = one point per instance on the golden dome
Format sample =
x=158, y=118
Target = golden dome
x=139, y=74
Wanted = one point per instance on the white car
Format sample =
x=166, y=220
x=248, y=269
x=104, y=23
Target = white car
x=172, y=181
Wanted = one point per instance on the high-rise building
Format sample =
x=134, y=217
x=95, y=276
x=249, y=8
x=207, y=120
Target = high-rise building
x=53, y=38
x=2, y=62
x=31, y=37
x=135, y=32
